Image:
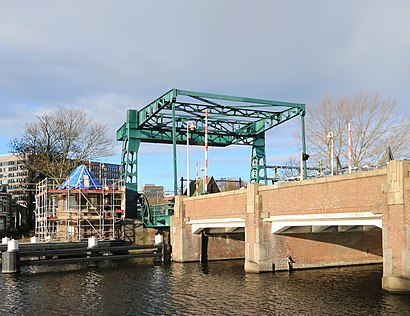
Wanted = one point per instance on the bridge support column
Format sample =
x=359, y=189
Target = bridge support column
x=256, y=242
x=396, y=229
x=186, y=246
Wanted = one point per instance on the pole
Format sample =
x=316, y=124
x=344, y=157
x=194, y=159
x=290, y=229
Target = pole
x=302, y=118
x=330, y=141
x=206, y=153
x=187, y=162
x=174, y=150
x=196, y=179
x=189, y=126
x=349, y=134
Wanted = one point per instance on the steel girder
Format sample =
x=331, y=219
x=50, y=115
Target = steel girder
x=232, y=121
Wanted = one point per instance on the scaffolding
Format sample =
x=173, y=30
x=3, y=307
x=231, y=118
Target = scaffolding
x=73, y=214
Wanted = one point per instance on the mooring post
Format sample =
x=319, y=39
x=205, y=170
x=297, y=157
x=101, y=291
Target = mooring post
x=290, y=263
x=159, y=241
x=10, y=259
x=164, y=252
x=92, y=243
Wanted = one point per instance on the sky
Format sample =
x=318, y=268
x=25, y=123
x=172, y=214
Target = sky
x=110, y=56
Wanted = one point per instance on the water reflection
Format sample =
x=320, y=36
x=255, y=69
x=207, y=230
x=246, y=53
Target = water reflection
x=213, y=288
x=13, y=297
x=90, y=291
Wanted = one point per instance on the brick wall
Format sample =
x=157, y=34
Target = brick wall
x=218, y=205
x=325, y=249
x=188, y=246
x=226, y=246
x=348, y=193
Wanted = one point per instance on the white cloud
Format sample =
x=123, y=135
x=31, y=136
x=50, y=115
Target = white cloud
x=108, y=56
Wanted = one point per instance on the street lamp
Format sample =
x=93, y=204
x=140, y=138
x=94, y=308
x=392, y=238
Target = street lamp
x=329, y=139
x=189, y=127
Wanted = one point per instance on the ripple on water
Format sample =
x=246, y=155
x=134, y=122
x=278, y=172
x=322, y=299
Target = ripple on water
x=215, y=288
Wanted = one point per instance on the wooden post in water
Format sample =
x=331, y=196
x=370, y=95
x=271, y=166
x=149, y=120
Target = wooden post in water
x=164, y=252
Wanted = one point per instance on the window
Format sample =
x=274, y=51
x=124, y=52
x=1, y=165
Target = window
x=3, y=223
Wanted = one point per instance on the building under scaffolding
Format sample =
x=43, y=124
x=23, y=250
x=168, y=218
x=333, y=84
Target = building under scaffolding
x=79, y=208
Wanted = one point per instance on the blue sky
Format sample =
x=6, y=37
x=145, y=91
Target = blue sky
x=108, y=56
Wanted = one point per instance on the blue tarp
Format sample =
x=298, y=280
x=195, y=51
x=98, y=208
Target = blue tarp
x=81, y=178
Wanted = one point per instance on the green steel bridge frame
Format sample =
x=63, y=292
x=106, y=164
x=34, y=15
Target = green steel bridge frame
x=232, y=120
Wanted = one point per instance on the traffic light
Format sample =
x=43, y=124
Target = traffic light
x=305, y=156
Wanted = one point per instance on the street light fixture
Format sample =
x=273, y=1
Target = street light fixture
x=190, y=126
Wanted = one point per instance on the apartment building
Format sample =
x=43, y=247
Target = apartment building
x=13, y=176
x=105, y=171
x=5, y=200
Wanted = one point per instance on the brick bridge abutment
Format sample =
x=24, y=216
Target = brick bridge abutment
x=360, y=218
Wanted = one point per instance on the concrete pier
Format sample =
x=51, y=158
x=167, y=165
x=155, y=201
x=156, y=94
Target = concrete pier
x=9, y=262
x=10, y=259
x=396, y=229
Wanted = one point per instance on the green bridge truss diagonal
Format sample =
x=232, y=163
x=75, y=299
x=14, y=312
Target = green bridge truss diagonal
x=232, y=120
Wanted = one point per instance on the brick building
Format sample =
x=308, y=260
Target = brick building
x=153, y=193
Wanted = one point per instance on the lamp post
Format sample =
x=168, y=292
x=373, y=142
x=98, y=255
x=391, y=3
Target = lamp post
x=329, y=139
x=349, y=137
x=189, y=127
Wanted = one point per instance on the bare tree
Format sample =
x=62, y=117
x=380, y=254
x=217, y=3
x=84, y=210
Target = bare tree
x=56, y=143
x=288, y=169
x=230, y=184
x=375, y=124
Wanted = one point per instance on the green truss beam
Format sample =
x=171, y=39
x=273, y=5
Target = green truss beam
x=232, y=120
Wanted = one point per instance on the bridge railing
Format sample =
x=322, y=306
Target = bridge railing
x=161, y=213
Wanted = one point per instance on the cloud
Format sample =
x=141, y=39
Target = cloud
x=107, y=57
x=295, y=51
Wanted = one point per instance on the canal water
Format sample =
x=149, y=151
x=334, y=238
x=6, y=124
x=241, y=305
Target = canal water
x=215, y=288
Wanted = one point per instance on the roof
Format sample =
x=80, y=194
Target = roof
x=81, y=178
x=212, y=187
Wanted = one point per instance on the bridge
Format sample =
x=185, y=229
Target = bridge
x=359, y=218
